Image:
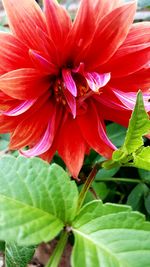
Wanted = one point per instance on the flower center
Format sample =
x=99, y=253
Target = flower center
x=59, y=86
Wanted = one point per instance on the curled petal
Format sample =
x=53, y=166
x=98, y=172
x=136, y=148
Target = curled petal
x=129, y=99
x=44, y=143
x=71, y=102
x=96, y=81
x=69, y=82
x=24, y=106
x=93, y=130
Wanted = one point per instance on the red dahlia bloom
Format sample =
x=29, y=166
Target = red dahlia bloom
x=60, y=80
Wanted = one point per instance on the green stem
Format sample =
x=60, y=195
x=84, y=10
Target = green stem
x=126, y=180
x=58, y=251
x=87, y=185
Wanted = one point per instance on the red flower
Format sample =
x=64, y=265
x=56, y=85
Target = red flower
x=60, y=80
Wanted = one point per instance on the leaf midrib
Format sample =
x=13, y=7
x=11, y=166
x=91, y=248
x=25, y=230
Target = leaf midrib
x=30, y=207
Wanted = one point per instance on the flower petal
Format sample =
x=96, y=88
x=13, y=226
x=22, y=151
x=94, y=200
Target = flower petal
x=72, y=146
x=43, y=144
x=58, y=21
x=71, y=102
x=129, y=99
x=28, y=15
x=96, y=81
x=33, y=125
x=129, y=63
x=42, y=63
x=133, y=82
x=24, y=83
x=24, y=106
x=13, y=53
x=93, y=130
x=111, y=32
x=69, y=81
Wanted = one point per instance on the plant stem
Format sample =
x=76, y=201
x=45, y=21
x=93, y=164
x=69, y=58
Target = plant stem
x=87, y=184
x=58, y=251
x=126, y=180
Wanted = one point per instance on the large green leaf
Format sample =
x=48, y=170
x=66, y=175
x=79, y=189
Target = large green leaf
x=110, y=236
x=18, y=256
x=36, y=200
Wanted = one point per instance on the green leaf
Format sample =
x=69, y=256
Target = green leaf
x=116, y=133
x=4, y=141
x=144, y=175
x=2, y=246
x=103, y=173
x=147, y=201
x=36, y=200
x=142, y=159
x=139, y=125
x=16, y=256
x=111, y=236
x=136, y=196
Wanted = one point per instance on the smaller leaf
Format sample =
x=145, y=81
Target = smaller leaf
x=116, y=133
x=144, y=175
x=142, y=159
x=135, y=198
x=139, y=125
x=16, y=256
x=103, y=173
x=147, y=202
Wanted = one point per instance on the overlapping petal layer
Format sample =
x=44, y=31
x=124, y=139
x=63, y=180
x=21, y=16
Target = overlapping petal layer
x=60, y=80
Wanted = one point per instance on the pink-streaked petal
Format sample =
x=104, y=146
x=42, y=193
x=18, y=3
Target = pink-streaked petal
x=46, y=140
x=71, y=101
x=96, y=80
x=129, y=99
x=42, y=63
x=24, y=106
x=43, y=145
x=69, y=82
x=28, y=15
x=94, y=131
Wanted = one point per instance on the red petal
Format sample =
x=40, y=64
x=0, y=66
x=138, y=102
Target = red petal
x=69, y=81
x=13, y=53
x=24, y=83
x=93, y=130
x=30, y=130
x=138, y=34
x=133, y=82
x=41, y=63
x=129, y=63
x=102, y=8
x=72, y=146
x=28, y=15
x=58, y=21
x=110, y=34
